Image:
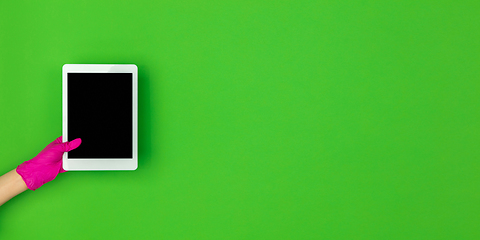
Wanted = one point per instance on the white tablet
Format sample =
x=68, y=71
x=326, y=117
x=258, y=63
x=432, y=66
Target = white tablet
x=100, y=107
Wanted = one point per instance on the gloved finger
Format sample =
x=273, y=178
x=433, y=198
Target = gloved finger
x=56, y=141
x=69, y=146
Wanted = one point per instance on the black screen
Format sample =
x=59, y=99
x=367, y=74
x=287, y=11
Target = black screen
x=100, y=113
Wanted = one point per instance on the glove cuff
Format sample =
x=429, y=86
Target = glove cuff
x=27, y=171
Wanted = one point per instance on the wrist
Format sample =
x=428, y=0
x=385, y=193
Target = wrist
x=18, y=181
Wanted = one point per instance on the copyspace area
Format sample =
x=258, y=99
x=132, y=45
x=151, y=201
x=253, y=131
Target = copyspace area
x=257, y=119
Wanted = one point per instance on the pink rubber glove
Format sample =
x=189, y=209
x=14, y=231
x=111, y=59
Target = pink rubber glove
x=47, y=164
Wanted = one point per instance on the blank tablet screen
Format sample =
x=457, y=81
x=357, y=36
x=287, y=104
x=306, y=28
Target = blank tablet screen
x=100, y=113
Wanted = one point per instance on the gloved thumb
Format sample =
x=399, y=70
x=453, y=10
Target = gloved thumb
x=69, y=146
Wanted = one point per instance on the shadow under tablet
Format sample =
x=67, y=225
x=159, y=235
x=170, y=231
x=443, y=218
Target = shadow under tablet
x=100, y=113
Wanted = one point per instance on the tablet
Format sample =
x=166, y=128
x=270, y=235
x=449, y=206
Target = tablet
x=100, y=107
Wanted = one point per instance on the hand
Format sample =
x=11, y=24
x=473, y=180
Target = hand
x=47, y=164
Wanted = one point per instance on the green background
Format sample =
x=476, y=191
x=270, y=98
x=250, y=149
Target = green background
x=257, y=119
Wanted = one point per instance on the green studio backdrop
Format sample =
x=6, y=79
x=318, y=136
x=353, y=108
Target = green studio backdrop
x=257, y=119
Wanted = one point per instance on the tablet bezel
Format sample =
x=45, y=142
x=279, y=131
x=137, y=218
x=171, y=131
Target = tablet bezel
x=99, y=164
